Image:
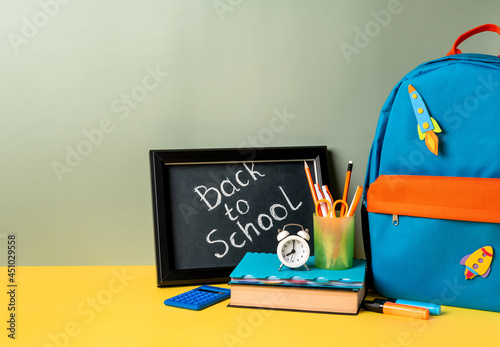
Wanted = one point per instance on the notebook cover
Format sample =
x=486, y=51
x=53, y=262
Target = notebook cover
x=255, y=267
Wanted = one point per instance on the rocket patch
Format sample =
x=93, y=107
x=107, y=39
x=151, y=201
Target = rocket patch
x=427, y=126
x=478, y=263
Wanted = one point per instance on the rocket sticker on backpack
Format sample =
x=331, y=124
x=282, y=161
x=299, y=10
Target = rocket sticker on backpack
x=427, y=126
x=478, y=263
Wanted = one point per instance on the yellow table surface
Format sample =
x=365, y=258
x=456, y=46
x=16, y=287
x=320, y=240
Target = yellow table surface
x=121, y=306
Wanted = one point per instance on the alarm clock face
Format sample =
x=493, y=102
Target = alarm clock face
x=293, y=251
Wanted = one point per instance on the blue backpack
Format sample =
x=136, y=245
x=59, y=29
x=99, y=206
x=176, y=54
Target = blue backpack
x=431, y=205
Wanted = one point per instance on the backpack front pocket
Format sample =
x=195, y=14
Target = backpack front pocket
x=423, y=230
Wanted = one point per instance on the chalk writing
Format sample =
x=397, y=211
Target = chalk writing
x=213, y=197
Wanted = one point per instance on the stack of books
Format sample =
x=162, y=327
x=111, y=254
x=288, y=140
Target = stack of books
x=257, y=282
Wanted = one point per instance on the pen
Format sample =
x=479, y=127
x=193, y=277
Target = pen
x=434, y=309
x=396, y=309
x=323, y=206
x=328, y=196
x=355, y=201
x=311, y=184
x=346, y=186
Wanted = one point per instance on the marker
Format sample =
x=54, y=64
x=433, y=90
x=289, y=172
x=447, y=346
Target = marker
x=327, y=194
x=311, y=184
x=355, y=201
x=346, y=186
x=434, y=309
x=396, y=309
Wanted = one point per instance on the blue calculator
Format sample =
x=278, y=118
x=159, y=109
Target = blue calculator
x=199, y=298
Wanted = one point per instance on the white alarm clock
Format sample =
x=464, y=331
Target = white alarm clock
x=293, y=250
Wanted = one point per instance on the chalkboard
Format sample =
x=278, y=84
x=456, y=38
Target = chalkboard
x=210, y=207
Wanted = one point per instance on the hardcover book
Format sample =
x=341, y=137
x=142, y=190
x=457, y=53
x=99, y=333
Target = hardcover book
x=257, y=282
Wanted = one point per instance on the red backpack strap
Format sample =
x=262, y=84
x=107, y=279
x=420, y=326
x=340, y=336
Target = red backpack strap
x=482, y=28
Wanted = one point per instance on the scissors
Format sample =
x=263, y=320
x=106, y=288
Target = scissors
x=331, y=208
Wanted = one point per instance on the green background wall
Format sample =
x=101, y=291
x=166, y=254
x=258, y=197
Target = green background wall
x=88, y=87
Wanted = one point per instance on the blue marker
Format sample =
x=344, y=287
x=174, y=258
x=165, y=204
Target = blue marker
x=434, y=309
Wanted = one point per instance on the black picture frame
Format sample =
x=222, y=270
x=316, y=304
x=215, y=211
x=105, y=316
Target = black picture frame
x=162, y=162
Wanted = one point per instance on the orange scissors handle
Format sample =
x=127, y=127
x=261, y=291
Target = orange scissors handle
x=328, y=207
x=343, y=203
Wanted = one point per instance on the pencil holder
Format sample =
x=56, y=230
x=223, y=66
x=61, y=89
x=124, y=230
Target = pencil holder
x=333, y=242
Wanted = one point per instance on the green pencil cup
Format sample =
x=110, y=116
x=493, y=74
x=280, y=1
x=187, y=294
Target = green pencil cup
x=333, y=242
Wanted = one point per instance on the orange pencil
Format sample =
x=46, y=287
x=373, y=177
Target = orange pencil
x=311, y=184
x=346, y=186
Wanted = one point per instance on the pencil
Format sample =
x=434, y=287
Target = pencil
x=346, y=186
x=311, y=184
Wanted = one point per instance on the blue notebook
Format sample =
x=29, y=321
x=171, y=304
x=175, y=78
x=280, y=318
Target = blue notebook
x=263, y=269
